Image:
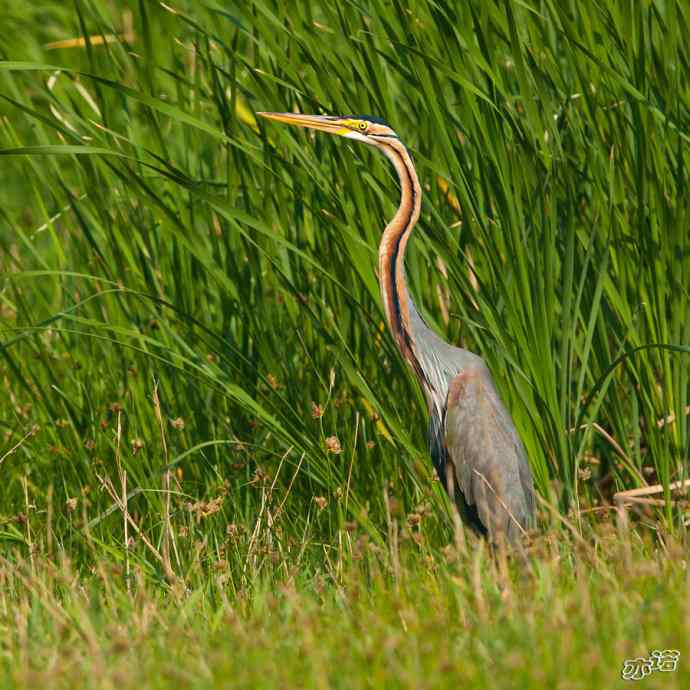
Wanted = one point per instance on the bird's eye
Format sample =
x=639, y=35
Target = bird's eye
x=363, y=126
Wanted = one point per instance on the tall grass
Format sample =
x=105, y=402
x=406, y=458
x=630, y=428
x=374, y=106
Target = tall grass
x=189, y=303
x=158, y=229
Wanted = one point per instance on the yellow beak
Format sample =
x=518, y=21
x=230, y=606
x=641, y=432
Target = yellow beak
x=322, y=123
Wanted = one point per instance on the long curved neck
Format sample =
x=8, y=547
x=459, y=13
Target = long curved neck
x=398, y=305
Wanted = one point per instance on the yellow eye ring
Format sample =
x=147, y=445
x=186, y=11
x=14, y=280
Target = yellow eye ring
x=363, y=126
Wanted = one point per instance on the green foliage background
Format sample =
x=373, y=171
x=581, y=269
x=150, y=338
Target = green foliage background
x=148, y=230
x=154, y=237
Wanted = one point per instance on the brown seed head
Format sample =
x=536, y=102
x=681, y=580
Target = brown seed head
x=333, y=445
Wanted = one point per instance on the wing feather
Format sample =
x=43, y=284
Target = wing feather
x=488, y=458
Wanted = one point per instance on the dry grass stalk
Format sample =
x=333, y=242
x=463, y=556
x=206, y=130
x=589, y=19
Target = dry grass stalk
x=622, y=498
x=123, y=483
x=18, y=445
x=167, y=527
x=127, y=36
x=110, y=489
x=265, y=500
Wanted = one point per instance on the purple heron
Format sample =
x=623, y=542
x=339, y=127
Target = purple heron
x=475, y=448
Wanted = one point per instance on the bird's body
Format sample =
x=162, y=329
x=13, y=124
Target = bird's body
x=473, y=442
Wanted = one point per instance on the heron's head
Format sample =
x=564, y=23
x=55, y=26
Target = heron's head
x=370, y=130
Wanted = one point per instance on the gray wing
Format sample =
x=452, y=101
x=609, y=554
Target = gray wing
x=487, y=456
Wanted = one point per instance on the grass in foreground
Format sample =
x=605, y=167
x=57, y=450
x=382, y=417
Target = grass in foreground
x=565, y=617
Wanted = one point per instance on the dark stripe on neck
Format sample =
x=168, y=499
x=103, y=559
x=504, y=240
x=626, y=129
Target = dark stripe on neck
x=395, y=251
x=399, y=322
